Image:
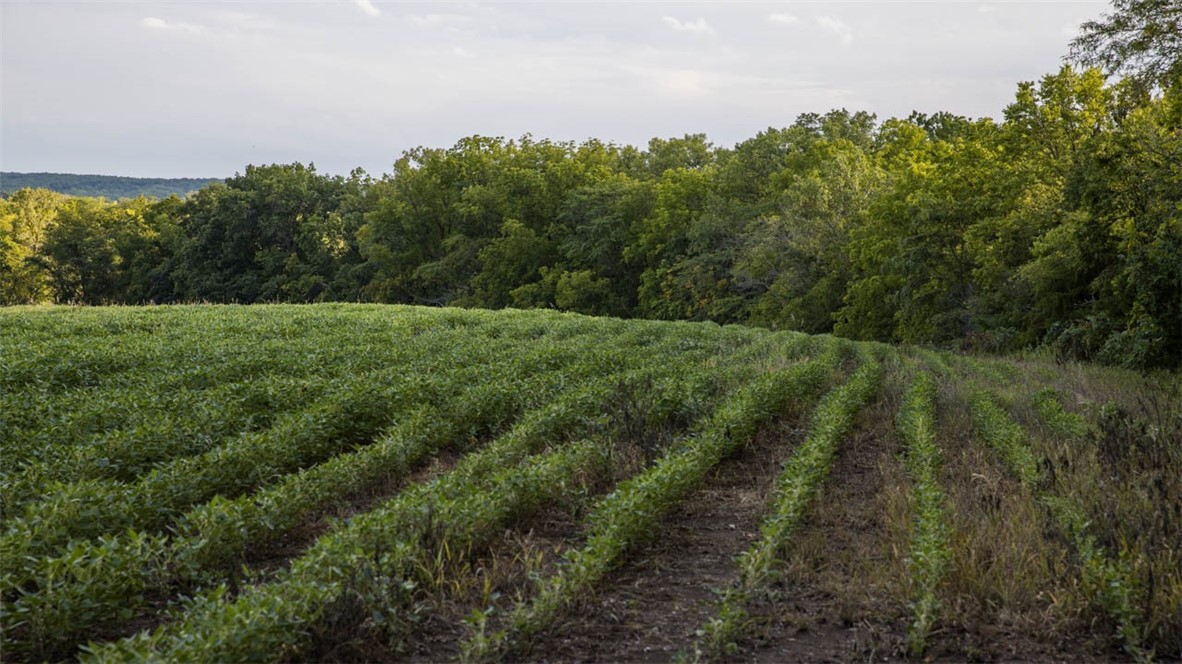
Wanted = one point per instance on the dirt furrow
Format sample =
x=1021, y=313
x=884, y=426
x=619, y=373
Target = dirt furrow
x=842, y=594
x=649, y=609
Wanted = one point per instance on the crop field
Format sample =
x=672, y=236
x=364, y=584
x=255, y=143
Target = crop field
x=392, y=483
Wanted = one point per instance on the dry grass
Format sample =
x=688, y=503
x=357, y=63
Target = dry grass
x=1010, y=583
x=1117, y=457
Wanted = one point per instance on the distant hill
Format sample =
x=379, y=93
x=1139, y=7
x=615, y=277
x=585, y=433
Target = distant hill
x=107, y=186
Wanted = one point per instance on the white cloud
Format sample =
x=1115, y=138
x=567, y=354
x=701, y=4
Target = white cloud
x=783, y=19
x=837, y=27
x=461, y=52
x=367, y=7
x=699, y=26
x=153, y=23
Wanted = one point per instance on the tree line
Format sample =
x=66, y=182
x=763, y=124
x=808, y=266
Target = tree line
x=1059, y=225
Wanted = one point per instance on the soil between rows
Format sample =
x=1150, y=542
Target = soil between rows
x=841, y=597
x=649, y=609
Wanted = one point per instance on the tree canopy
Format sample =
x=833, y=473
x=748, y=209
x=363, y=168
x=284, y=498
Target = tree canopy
x=1059, y=225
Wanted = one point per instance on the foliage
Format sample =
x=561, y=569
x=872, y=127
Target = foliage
x=1058, y=224
x=1141, y=38
x=796, y=486
x=624, y=518
x=931, y=553
x=85, y=554
x=159, y=461
x=25, y=217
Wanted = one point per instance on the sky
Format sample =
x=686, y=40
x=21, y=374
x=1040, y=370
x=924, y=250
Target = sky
x=201, y=89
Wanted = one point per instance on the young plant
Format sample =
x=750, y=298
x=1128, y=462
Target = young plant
x=630, y=514
x=795, y=489
x=930, y=548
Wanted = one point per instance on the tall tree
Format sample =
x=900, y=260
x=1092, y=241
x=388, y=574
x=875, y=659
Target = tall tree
x=25, y=220
x=794, y=263
x=1141, y=39
x=268, y=234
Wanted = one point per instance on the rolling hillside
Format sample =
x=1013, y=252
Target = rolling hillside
x=111, y=187
x=396, y=483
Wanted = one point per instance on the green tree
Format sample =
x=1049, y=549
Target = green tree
x=691, y=152
x=794, y=264
x=1128, y=188
x=269, y=234
x=594, y=230
x=1141, y=39
x=911, y=256
x=508, y=262
x=100, y=252
x=1047, y=130
x=25, y=220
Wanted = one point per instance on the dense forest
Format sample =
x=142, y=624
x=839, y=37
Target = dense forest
x=1059, y=224
x=101, y=186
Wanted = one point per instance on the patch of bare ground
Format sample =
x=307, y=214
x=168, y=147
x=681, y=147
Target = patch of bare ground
x=649, y=609
x=1012, y=593
x=490, y=583
x=841, y=595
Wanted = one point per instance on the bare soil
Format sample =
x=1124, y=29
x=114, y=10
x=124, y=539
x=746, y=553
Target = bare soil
x=649, y=609
x=842, y=593
x=844, y=590
x=492, y=582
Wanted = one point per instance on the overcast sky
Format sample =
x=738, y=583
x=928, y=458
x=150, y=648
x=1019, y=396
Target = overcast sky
x=197, y=89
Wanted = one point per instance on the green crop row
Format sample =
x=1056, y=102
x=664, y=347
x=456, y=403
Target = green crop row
x=115, y=394
x=276, y=622
x=121, y=434
x=630, y=513
x=351, y=415
x=221, y=346
x=1051, y=413
x=62, y=599
x=183, y=425
x=931, y=552
x=1007, y=438
x=486, y=490
x=1110, y=583
x=64, y=349
x=796, y=486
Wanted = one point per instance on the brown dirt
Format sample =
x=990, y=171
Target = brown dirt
x=649, y=609
x=494, y=581
x=842, y=593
